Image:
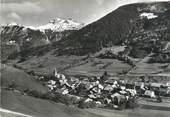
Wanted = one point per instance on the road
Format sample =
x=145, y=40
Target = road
x=9, y=113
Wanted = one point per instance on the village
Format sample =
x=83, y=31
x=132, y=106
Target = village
x=105, y=91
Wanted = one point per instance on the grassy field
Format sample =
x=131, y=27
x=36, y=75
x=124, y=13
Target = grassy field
x=130, y=113
x=21, y=80
x=97, y=67
x=44, y=108
x=71, y=65
x=74, y=65
x=8, y=113
x=144, y=68
x=153, y=69
x=40, y=108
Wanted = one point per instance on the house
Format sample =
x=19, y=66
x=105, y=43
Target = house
x=168, y=84
x=133, y=92
x=150, y=94
x=156, y=85
x=164, y=91
x=108, y=88
x=63, y=91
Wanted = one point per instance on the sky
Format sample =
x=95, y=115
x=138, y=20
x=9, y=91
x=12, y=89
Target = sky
x=39, y=12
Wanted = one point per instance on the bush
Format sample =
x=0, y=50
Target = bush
x=65, y=99
x=12, y=85
x=122, y=104
x=132, y=103
x=82, y=104
x=22, y=59
x=125, y=71
x=48, y=96
x=34, y=94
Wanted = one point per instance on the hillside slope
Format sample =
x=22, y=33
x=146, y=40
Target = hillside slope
x=21, y=80
x=40, y=108
x=17, y=38
x=143, y=27
x=45, y=108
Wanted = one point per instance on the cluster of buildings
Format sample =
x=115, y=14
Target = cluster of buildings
x=106, y=91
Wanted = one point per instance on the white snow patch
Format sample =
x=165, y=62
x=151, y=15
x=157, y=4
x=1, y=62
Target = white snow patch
x=57, y=25
x=31, y=27
x=61, y=25
x=148, y=15
x=12, y=24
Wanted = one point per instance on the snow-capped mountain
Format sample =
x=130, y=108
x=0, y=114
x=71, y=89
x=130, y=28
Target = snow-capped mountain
x=142, y=27
x=56, y=25
x=21, y=38
x=59, y=25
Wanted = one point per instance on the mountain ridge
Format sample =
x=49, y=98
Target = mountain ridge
x=125, y=26
x=114, y=28
x=16, y=38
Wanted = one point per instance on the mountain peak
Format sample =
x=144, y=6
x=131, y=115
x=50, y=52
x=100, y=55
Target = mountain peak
x=56, y=25
x=61, y=25
x=12, y=24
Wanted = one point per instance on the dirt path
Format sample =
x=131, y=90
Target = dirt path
x=8, y=113
x=141, y=63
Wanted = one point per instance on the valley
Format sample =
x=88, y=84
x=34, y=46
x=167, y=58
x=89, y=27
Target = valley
x=66, y=68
